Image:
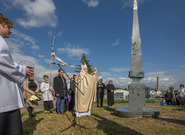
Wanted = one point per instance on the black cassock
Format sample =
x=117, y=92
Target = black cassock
x=72, y=94
x=110, y=95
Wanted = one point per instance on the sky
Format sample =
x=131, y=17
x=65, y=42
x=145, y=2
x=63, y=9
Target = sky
x=101, y=29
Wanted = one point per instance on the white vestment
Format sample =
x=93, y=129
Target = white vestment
x=11, y=77
x=87, y=85
x=47, y=95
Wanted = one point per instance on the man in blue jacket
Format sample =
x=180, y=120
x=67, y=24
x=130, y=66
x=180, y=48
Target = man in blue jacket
x=11, y=77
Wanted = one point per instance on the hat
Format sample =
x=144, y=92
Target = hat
x=83, y=66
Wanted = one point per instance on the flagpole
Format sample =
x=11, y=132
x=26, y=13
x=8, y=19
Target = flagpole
x=52, y=50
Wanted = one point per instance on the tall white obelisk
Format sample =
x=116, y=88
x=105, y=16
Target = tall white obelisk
x=136, y=67
x=136, y=106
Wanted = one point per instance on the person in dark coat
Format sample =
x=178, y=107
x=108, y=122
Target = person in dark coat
x=110, y=93
x=168, y=97
x=72, y=92
x=60, y=87
x=100, y=92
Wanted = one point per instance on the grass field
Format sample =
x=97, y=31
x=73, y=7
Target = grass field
x=103, y=121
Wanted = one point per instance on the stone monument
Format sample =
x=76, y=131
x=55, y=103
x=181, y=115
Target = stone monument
x=136, y=89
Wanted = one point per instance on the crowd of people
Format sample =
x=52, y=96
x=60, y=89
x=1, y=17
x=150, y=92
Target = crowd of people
x=13, y=76
x=174, y=99
x=78, y=96
x=65, y=94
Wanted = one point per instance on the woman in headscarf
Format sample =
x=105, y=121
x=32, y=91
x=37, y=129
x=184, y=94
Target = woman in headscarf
x=31, y=87
x=110, y=93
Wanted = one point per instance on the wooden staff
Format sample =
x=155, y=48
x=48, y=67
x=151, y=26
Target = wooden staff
x=52, y=50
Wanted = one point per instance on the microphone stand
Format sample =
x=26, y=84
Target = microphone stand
x=74, y=123
x=68, y=77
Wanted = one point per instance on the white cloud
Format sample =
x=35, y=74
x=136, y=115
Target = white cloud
x=123, y=78
x=24, y=39
x=150, y=80
x=183, y=66
x=60, y=33
x=118, y=82
x=165, y=80
x=39, y=70
x=116, y=43
x=41, y=56
x=129, y=3
x=48, y=61
x=19, y=56
x=6, y=5
x=91, y=3
x=104, y=74
x=37, y=13
x=156, y=74
x=71, y=50
x=50, y=34
x=119, y=69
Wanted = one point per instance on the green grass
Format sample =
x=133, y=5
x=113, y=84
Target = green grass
x=103, y=121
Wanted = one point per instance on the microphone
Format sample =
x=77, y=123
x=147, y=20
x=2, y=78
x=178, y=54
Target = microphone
x=55, y=63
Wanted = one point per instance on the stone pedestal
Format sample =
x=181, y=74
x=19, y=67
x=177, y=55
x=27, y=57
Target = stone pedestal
x=136, y=98
x=147, y=112
x=137, y=102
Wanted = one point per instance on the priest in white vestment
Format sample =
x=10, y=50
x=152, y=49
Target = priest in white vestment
x=87, y=85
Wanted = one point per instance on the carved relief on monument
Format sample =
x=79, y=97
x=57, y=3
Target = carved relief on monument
x=136, y=89
x=135, y=47
x=136, y=75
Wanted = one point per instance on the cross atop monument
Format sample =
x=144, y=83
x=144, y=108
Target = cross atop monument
x=135, y=5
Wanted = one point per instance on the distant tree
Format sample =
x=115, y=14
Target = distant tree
x=117, y=88
x=84, y=61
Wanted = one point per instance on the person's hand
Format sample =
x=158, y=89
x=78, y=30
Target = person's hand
x=29, y=71
x=57, y=95
x=111, y=90
x=34, y=93
x=95, y=70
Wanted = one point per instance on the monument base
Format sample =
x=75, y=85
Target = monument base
x=148, y=112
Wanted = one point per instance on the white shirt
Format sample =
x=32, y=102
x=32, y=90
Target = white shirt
x=47, y=96
x=11, y=77
x=181, y=93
